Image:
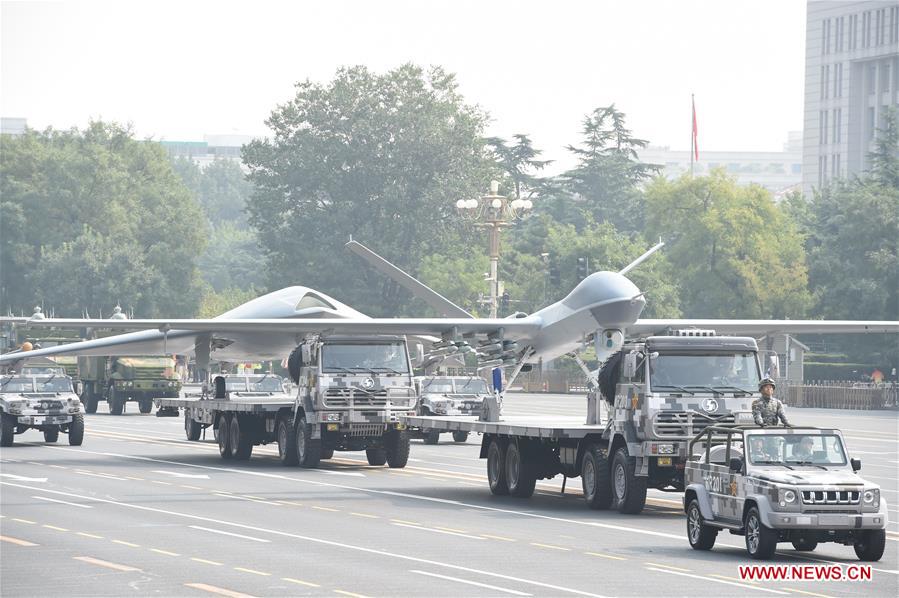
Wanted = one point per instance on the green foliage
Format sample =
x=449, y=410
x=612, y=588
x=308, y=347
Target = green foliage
x=885, y=157
x=735, y=253
x=232, y=259
x=221, y=188
x=92, y=218
x=459, y=278
x=520, y=164
x=381, y=157
x=215, y=303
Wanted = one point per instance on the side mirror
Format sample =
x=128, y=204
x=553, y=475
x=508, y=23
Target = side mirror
x=856, y=464
x=79, y=388
x=736, y=464
x=630, y=365
x=418, y=355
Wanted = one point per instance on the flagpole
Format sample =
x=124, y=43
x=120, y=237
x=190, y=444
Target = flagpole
x=692, y=131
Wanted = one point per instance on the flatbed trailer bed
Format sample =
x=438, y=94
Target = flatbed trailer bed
x=528, y=426
x=242, y=404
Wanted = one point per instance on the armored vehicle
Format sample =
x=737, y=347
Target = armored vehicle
x=45, y=402
x=775, y=485
x=117, y=380
x=449, y=395
x=351, y=392
x=653, y=396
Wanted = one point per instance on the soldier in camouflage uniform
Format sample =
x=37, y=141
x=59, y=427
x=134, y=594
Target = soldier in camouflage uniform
x=768, y=410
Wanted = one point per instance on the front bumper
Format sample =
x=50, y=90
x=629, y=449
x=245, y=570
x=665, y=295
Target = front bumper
x=42, y=420
x=827, y=521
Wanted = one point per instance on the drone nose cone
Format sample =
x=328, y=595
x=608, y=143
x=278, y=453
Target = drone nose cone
x=613, y=300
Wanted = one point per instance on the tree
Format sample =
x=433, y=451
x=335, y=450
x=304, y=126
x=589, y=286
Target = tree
x=605, y=182
x=232, y=259
x=93, y=218
x=380, y=157
x=519, y=162
x=735, y=253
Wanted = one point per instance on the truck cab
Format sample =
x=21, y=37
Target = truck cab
x=44, y=401
x=775, y=485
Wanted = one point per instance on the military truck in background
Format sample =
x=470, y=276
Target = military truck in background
x=117, y=380
x=42, y=401
x=653, y=397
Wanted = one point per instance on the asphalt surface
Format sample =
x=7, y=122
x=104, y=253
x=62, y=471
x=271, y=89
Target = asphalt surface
x=139, y=510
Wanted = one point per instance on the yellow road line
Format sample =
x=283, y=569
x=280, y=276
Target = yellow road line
x=253, y=571
x=17, y=541
x=291, y=502
x=667, y=567
x=216, y=590
x=28, y=521
x=318, y=508
x=191, y=487
x=807, y=593
x=131, y=477
x=405, y=522
x=550, y=546
x=160, y=483
x=607, y=556
x=365, y=515
x=193, y=558
x=107, y=564
x=301, y=582
x=87, y=535
x=123, y=543
x=58, y=466
x=59, y=529
x=165, y=552
x=452, y=529
x=501, y=538
x=350, y=594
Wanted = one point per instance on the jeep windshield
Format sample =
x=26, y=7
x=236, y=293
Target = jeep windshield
x=358, y=358
x=796, y=449
x=16, y=384
x=692, y=373
x=438, y=386
x=53, y=383
x=472, y=386
x=265, y=384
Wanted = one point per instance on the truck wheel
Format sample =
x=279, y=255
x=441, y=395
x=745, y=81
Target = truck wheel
x=51, y=435
x=145, y=405
x=116, y=402
x=460, y=436
x=327, y=453
x=761, y=542
x=376, y=456
x=869, y=547
x=629, y=491
x=496, y=467
x=76, y=430
x=287, y=442
x=90, y=402
x=519, y=472
x=241, y=440
x=804, y=544
x=397, y=449
x=309, y=450
x=7, y=429
x=595, y=480
x=223, y=436
x=432, y=436
x=192, y=429
x=700, y=535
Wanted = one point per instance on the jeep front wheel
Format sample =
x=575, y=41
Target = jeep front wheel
x=701, y=536
x=761, y=541
x=870, y=546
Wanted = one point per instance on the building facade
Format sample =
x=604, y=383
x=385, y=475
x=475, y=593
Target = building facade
x=213, y=147
x=851, y=67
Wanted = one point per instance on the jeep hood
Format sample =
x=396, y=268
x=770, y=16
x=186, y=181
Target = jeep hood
x=811, y=476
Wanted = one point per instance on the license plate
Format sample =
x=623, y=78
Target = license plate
x=664, y=461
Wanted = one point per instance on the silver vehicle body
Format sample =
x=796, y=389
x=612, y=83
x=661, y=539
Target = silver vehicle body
x=451, y=395
x=38, y=401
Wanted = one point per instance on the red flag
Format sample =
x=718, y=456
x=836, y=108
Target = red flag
x=695, y=132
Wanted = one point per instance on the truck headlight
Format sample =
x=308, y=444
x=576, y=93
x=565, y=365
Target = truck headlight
x=665, y=449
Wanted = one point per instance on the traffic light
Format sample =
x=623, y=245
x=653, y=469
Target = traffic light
x=581, y=268
x=504, y=301
x=555, y=277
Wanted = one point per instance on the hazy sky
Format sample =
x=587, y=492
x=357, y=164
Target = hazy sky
x=179, y=70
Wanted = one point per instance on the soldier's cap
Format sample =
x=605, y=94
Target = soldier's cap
x=766, y=381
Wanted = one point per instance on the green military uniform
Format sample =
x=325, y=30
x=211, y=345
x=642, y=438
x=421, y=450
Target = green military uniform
x=767, y=412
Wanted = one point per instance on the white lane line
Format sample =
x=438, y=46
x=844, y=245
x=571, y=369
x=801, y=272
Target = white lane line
x=20, y=478
x=107, y=564
x=205, y=587
x=469, y=582
x=218, y=531
x=265, y=502
x=277, y=532
x=71, y=504
x=17, y=541
x=438, y=531
x=730, y=583
x=175, y=474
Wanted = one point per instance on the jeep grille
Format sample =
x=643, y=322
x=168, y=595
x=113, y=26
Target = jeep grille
x=686, y=424
x=830, y=497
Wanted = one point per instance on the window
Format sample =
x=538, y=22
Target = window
x=872, y=79
x=836, y=165
x=822, y=127
x=827, y=81
x=853, y=25
x=885, y=77
x=838, y=45
x=894, y=24
x=313, y=300
x=796, y=168
x=880, y=27
x=838, y=80
x=825, y=41
x=837, y=125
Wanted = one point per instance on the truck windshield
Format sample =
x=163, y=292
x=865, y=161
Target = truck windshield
x=380, y=358
x=796, y=449
x=735, y=372
x=53, y=383
x=16, y=384
x=472, y=386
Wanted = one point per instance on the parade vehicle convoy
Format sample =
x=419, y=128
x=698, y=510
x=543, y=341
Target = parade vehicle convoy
x=118, y=380
x=351, y=392
x=42, y=401
x=658, y=393
x=777, y=484
x=449, y=395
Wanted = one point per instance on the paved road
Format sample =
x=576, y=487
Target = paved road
x=139, y=510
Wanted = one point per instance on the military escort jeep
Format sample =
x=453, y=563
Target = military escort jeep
x=45, y=402
x=778, y=484
x=449, y=395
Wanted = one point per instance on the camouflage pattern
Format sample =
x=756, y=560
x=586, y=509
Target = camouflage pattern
x=32, y=407
x=768, y=411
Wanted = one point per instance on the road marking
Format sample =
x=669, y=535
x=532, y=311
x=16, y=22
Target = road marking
x=500, y=538
x=103, y=476
x=28, y=521
x=550, y=546
x=705, y=578
x=732, y=578
x=403, y=521
x=123, y=543
x=135, y=478
x=291, y=502
x=57, y=466
x=20, y=478
x=301, y=582
x=191, y=487
x=218, y=531
x=107, y=564
x=807, y=593
x=236, y=497
x=318, y=508
x=667, y=566
x=87, y=535
x=71, y=504
x=350, y=594
x=59, y=529
x=165, y=552
x=438, y=531
x=452, y=529
x=175, y=474
x=17, y=541
x=253, y=571
x=469, y=582
x=364, y=515
x=160, y=483
x=607, y=556
x=35, y=463
x=199, y=560
x=216, y=590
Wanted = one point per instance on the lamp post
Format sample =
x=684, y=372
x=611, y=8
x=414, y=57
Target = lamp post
x=493, y=212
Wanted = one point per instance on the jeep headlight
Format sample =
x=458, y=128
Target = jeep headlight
x=789, y=496
x=439, y=406
x=16, y=407
x=787, y=499
x=871, y=498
